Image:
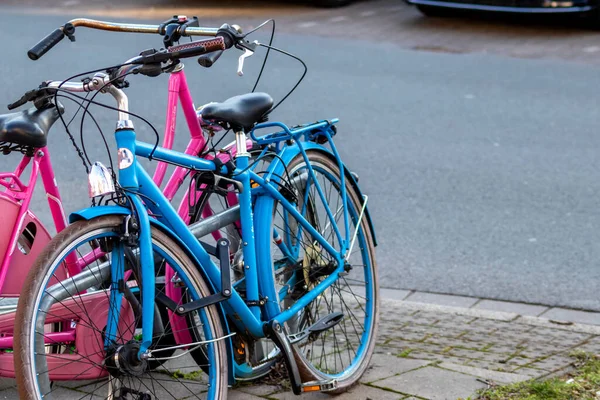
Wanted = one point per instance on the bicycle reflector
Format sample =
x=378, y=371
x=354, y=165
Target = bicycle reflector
x=100, y=181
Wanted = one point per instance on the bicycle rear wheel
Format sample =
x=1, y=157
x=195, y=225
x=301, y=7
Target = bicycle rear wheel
x=350, y=304
x=100, y=352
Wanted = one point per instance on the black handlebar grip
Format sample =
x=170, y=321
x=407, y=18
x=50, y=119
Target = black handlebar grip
x=46, y=44
x=207, y=60
x=16, y=104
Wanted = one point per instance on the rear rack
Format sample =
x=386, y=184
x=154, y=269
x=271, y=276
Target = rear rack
x=312, y=132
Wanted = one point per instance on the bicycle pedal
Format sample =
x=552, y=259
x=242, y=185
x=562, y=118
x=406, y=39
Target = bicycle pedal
x=319, y=386
x=322, y=325
x=327, y=322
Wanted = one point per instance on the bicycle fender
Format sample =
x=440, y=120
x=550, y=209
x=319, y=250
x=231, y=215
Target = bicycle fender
x=356, y=188
x=99, y=211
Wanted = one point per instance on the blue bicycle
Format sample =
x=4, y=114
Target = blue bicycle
x=305, y=276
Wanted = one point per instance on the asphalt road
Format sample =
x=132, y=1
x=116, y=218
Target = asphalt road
x=482, y=168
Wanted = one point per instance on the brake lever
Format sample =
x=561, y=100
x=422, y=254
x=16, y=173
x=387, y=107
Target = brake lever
x=28, y=96
x=249, y=49
x=247, y=53
x=32, y=95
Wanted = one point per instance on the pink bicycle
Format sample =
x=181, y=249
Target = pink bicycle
x=23, y=236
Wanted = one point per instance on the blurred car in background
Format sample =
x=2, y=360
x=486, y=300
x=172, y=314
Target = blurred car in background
x=437, y=7
x=331, y=3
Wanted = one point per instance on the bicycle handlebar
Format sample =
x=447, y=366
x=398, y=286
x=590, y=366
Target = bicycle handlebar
x=139, y=28
x=43, y=46
x=149, y=62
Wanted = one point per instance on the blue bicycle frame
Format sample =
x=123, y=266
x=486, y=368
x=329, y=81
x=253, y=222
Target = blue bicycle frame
x=147, y=199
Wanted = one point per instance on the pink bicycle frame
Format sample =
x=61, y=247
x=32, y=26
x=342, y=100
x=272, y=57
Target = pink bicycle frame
x=178, y=90
x=14, y=206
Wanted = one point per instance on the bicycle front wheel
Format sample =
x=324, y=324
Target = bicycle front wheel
x=83, y=332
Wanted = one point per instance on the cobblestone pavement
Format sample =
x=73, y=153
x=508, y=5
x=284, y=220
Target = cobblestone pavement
x=438, y=352
x=390, y=21
x=428, y=351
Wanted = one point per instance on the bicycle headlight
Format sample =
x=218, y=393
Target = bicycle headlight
x=100, y=180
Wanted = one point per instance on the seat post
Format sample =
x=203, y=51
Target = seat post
x=240, y=143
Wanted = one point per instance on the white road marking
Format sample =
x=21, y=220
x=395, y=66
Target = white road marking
x=367, y=13
x=308, y=24
x=338, y=19
x=591, y=49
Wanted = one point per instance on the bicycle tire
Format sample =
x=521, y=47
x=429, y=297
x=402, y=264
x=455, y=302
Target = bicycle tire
x=107, y=230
